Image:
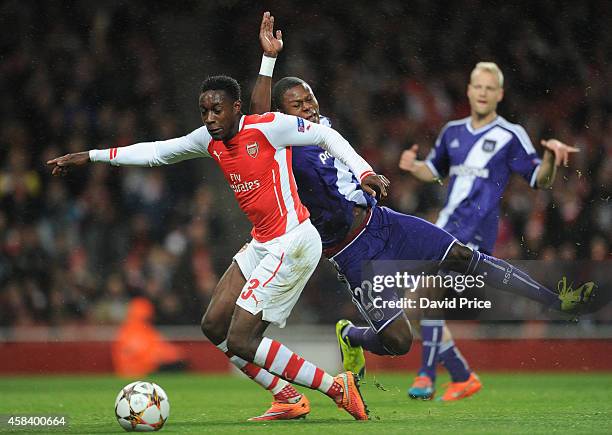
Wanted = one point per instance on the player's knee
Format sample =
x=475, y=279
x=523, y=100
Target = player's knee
x=458, y=258
x=398, y=346
x=398, y=343
x=213, y=328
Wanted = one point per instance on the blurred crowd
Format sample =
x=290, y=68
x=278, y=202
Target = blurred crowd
x=75, y=76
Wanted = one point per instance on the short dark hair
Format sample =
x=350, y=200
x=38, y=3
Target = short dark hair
x=222, y=83
x=282, y=86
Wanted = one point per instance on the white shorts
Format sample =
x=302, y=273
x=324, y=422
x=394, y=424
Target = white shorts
x=277, y=271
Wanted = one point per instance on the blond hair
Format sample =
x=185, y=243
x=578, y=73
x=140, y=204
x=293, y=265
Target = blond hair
x=490, y=67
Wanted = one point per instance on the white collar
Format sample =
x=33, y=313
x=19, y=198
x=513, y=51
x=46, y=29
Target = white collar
x=483, y=128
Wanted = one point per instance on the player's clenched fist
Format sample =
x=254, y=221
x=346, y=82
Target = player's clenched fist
x=61, y=164
x=408, y=158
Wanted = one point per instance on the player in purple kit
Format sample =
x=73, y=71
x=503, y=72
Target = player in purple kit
x=353, y=229
x=478, y=153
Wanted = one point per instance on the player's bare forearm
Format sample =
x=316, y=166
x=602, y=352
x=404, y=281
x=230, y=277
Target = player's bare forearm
x=408, y=162
x=271, y=44
x=422, y=172
x=261, y=95
x=547, y=171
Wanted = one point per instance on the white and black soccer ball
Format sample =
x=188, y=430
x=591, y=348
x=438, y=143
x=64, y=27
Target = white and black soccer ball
x=142, y=407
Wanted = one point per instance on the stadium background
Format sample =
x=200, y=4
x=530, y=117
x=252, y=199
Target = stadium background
x=80, y=75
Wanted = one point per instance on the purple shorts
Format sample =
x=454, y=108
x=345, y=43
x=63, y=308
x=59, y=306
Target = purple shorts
x=388, y=236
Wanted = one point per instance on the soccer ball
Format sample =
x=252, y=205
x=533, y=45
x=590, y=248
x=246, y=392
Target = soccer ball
x=142, y=407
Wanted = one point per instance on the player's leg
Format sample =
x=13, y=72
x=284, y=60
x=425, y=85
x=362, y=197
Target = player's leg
x=272, y=290
x=501, y=275
x=464, y=382
x=218, y=316
x=245, y=338
x=393, y=339
x=388, y=236
x=421, y=245
x=388, y=331
x=288, y=402
x=431, y=332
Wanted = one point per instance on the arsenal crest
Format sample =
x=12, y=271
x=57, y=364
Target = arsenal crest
x=253, y=149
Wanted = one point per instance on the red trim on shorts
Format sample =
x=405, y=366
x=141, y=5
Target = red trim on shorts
x=317, y=379
x=293, y=367
x=274, y=347
x=276, y=270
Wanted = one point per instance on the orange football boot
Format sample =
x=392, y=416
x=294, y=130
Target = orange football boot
x=285, y=411
x=461, y=390
x=351, y=400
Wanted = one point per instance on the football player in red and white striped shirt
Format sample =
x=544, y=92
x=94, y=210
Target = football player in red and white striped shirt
x=254, y=153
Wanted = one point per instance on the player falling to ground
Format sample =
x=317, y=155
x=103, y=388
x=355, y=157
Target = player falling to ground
x=253, y=153
x=478, y=153
x=353, y=229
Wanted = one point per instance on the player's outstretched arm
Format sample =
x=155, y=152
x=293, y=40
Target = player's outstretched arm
x=555, y=153
x=271, y=44
x=141, y=154
x=409, y=162
x=291, y=130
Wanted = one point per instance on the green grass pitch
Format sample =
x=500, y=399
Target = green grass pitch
x=508, y=403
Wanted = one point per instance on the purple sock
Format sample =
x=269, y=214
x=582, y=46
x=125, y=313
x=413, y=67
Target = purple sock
x=431, y=336
x=504, y=276
x=366, y=338
x=454, y=362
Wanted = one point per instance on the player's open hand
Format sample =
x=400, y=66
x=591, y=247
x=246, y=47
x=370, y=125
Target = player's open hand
x=375, y=185
x=270, y=43
x=63, y=163
x=408, y=158
x=560, y=150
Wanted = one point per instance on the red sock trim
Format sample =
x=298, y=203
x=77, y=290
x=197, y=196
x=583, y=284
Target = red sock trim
x=318, y=378
x=251, y=370
x=293, y=367
x=274, y=347
x=273, y=383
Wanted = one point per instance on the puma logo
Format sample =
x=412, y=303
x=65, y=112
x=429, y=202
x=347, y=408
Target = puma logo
x=255, y=299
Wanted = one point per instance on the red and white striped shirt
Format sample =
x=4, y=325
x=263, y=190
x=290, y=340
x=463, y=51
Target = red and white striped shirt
x=256, y=163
